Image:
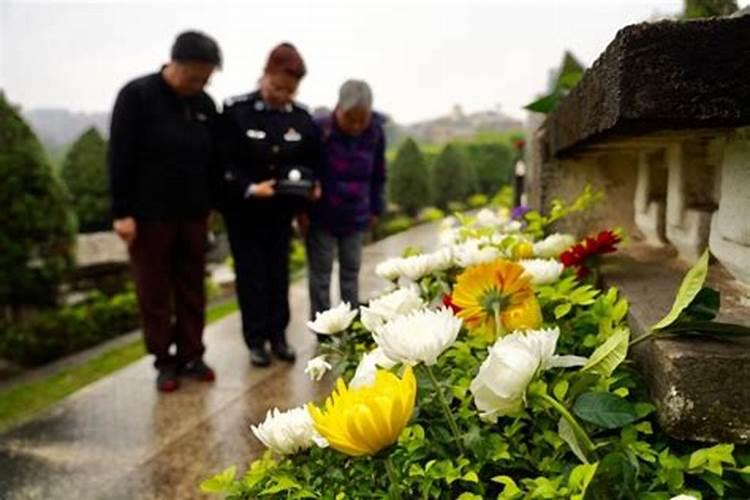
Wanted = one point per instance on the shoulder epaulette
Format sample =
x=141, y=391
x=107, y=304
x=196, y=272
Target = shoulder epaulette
x=231, y=101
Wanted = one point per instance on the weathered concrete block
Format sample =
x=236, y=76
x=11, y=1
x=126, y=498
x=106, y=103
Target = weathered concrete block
x=650, y=196
x=730, y=232
x=697, y=383
x=669, y=75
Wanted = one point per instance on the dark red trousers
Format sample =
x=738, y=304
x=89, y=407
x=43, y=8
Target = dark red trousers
x=168, y=263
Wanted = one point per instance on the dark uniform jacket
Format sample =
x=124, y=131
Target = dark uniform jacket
x=257, y=143
x=161, y=155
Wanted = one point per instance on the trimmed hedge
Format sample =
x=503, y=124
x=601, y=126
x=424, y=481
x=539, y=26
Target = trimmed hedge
x=56, y=333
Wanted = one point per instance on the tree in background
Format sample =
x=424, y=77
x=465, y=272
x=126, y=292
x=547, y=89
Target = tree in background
x=408, y=178
x=38, y=227
x=451, y=177
x=84, y=173
x=709, y=8
x=493, y=164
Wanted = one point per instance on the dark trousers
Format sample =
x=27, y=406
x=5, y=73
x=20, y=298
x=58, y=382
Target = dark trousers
x=168, y=263
x=322, y=247
x=260, y=247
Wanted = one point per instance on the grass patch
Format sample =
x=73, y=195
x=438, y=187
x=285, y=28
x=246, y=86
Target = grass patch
x=21, y=402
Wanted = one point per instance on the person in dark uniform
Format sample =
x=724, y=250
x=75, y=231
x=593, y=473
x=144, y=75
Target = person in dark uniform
x=161, y=160
x=267, y=144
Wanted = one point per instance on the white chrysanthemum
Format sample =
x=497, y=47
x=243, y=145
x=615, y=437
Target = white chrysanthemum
x=419, y=337
x=500, y=385
x=287, y=432
x=684, y=497
x=387, y=307
x=389, y=269
x=316, y=368
x=334, y=320
x=488, y=218
x=553, y=245
x=512, y=226
x=441, y=259
x=542, y=271
x=472, y=253
x=368, y=365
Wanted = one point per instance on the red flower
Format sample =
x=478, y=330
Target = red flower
x=582, y=255
x=448, y=301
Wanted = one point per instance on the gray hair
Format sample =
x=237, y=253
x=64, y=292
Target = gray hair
x=354, y=94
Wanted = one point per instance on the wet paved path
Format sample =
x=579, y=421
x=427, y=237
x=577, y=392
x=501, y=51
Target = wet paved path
x=119, y=439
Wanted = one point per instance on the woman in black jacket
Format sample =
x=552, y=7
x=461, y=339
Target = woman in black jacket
x=270, y=154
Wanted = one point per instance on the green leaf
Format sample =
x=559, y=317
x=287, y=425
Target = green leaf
x=562, y=309
x=608, y=356
x=708, y=328
x=510, y=491
x=615, y=479
x=560, y=389
x=604, y=409
x=471, y=477
x=710, y=459
x=468, y=496
x=220, y=482
x=566, y=432
x=689, y=288
x=545, y=104
x=581, y=476
x=705, y=305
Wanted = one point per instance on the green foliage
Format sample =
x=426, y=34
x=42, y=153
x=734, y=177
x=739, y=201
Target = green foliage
x=392, y=226
x=477, y=200
x=709, y=8
x=538, y=224
x=450, y=177
x=297, y=256
x=58, y=332
x=431, y=214
x=493, y=163
x=580, y=433
x=84, y=172
x=689, y=288
x=570, y=73
x=408, y=181
x=38, y=227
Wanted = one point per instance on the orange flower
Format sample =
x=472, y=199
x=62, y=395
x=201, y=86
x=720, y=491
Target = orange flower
x=496, y=289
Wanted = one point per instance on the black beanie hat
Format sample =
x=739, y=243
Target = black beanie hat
x=196, y=46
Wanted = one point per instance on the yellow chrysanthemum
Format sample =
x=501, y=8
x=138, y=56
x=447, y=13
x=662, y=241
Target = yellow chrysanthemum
x=496, y=287
x=523, y=250
x=365, y=420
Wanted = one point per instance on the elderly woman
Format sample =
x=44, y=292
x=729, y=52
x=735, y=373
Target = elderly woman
x=270, y=153
x=161, y=160
x=353, y=177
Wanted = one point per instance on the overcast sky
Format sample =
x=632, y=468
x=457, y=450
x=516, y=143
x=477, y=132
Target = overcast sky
x=420, y=57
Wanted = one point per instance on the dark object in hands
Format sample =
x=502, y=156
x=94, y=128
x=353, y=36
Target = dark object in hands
x=294, y=180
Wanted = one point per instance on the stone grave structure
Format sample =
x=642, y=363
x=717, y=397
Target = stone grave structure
x=661, y=124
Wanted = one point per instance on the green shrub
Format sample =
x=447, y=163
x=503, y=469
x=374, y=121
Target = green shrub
x=297, y=257
x=492, y=162
x=58, y=332
x=38, y=226
x=408, y=182
x=84, y=172
x=695, y=9
x=451, y=177
x=392, y=226
x=456, y=206
x=477, y=200
x=430, y=214
x=503, y=198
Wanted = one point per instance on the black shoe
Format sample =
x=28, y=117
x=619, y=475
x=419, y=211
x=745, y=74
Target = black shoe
x=198, y=370
x=259, y=356
x=167, y=380
x=282, y=351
